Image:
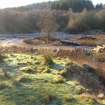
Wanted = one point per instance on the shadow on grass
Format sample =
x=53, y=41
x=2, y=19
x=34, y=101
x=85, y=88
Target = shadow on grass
x=7, y=69
x=25, y=95
x=87, y=77
x=56, y=66
x=37, y=92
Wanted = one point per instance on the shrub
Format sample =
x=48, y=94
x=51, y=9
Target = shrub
x=48, y=60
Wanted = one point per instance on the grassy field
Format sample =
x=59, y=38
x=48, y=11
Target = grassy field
x=32, y=81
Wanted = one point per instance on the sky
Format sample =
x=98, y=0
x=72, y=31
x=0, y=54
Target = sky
x=16, y=3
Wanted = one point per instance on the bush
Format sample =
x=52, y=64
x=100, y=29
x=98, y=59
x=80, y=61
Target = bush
x=48, y=60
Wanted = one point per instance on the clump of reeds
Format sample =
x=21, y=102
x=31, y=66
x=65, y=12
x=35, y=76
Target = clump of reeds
x=48, y=59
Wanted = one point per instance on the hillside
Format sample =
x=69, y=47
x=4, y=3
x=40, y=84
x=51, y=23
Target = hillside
x=31, y=7
x=47, y=5
x=81, y=17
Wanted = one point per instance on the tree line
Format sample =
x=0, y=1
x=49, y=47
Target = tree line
x=64, y=15
x=75, y=5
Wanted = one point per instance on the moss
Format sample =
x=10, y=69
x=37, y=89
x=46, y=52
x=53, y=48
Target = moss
x=24, y=79
x=58, y=79
x=40, y=85
x=89, y=100
x=47, y=70
x=69, y=98
x=62, y=72
x=28, y=70
x=80, y=89
x=4, y=86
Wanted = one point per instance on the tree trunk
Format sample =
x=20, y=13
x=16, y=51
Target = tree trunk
x=48, y=37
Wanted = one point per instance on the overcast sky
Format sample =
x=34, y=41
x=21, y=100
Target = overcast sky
x=16, y=3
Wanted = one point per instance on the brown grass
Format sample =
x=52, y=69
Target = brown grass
x=90, y=40
x=75, y=54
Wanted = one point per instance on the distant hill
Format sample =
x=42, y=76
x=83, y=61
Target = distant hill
x=45, y=5
x=26, y=19
x=36, y=6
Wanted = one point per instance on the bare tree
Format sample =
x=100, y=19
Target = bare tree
x=48, y=23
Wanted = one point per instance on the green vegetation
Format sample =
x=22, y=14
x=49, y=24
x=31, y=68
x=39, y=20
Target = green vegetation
x=33, y=82
x=34, y=79
x=75, y=5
